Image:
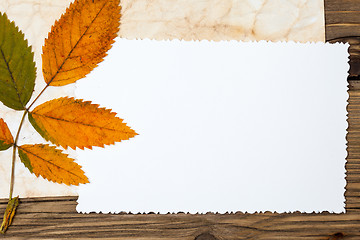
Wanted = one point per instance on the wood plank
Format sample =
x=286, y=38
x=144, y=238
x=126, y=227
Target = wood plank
x=56, y=218
x=342, y=24
x=348, y=17
x=352, y=194
x=342, y=5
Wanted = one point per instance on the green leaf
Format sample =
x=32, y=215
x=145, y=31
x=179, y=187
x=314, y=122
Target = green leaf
x=17, y=66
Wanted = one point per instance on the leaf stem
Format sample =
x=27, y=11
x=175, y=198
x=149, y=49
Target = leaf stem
x=42, y=91
x=12, y=179
x=14, y=155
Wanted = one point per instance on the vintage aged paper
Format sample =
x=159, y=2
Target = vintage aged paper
x=273, y=20
x=297, y=20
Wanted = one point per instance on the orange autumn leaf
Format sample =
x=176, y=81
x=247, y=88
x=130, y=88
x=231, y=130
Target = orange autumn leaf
x=78, y=41
x=70, y=122
x=6, y=139
x=51, y=164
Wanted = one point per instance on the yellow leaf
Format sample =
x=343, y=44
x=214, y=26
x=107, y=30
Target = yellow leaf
x=79, y=40
x=9, y=214
x=52, y=164
x=6, y=139
x=70, y=122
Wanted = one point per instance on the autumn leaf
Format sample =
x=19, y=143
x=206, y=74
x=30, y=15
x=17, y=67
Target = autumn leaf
x=6, y=139
x=52, y=164
x=77, y=43
x=9, y=214
x=17, y=66
x=70, y=122
x=79, y=40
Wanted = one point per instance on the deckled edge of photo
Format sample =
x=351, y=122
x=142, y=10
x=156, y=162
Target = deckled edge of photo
x=346, y=45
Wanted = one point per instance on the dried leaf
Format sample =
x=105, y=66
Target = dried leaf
x=9, y=214
x=17, y=66
x=52, y=164
x=70, y=122
x=79, y=40
x=6, y=139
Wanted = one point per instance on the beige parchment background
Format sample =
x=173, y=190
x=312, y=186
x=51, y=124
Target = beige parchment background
x=247, y=20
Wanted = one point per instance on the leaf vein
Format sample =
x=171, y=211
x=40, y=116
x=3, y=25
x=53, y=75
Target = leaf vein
x=11, y=76
x=39, y=157
x=73, y=48
x=80, y=123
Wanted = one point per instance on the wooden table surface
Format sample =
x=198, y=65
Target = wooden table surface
x=56, y=218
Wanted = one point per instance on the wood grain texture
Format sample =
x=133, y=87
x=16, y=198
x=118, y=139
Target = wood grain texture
x=56, y=218
x=342, y=24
